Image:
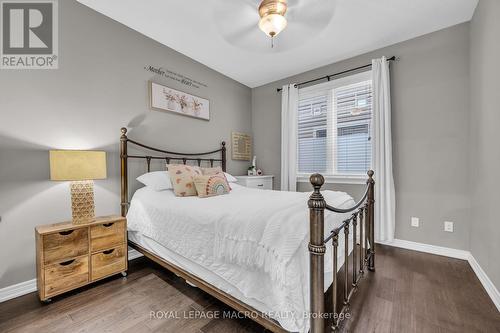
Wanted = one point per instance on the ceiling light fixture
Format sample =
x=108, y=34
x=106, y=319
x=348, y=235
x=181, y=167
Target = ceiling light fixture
x=272, y=17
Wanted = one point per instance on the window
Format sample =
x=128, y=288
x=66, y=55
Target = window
x=334, y=126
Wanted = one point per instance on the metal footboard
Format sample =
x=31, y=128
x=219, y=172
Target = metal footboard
x=363, y=252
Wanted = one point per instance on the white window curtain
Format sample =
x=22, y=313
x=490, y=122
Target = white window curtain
x=382, y=152
x=289, y=110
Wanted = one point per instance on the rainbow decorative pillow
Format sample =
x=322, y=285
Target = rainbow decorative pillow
x=211, y=185
x=182, y=178
x=215, y=171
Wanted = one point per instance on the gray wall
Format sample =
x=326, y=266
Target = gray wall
x=430, y=101
x=100, y=86
x=485, y=152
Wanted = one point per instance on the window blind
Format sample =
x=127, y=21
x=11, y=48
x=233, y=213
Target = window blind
x=334, y=126
x=313, y=134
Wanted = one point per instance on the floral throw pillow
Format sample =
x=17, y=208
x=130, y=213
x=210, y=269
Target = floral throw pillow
x=211, y=185
x=182, y=178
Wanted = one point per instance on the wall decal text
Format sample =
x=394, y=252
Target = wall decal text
x=175, y=76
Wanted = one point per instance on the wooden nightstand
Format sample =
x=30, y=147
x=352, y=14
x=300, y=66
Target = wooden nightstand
x=70, y=255
x=260, y=182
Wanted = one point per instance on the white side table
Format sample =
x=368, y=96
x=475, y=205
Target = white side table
x=259, y=182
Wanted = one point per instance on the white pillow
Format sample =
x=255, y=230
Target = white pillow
x=230, y=178
x=157, y=180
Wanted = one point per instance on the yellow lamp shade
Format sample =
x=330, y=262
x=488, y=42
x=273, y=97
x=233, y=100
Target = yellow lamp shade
x=77, y=165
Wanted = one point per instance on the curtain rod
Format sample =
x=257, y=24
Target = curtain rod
x=327, y=77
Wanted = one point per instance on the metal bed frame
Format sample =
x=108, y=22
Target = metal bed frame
x=363, y=252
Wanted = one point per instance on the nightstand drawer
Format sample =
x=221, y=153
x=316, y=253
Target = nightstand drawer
x=106, y=235
x=65, y=244
x=66, y=275
x=108, y=262
x=261, y=183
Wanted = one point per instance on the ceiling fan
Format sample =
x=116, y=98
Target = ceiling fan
x=241, y=22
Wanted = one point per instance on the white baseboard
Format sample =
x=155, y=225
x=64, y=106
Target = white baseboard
x=27, y=287
x=17, y=290
x=433, y=249
x=485, y=281
x=452, y=253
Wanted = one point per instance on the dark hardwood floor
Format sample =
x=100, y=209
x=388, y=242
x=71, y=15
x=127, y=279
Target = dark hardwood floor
x=411, y=292
x=420, y=292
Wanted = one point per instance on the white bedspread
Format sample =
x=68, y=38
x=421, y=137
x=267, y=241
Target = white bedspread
x=263, y=232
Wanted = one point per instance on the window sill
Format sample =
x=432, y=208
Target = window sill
x=346, y=179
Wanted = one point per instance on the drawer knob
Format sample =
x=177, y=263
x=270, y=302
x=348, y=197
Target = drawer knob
x=66, y=233
x=261, y=185
x=66, y=263
x=107, y=225
x=108, y=251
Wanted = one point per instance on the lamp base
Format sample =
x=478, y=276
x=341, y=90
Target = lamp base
x=82, y=201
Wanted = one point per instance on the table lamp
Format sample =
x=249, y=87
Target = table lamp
x=80, y=167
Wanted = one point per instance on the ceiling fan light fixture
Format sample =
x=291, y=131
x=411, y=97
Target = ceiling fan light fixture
x=272, y=24
x=272, y=16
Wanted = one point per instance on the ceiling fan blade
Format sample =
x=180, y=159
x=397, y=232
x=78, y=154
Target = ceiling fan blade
x=240, y=34
x=252, y=3
x=235, y=18
x=230, y=6
x=235, y=13
x=316, y=13
x=294, y=4
x=306, y=24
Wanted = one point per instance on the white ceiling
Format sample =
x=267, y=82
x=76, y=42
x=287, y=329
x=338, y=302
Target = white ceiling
x=223, y=34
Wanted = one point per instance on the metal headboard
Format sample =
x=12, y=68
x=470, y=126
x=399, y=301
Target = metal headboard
x=167, y=157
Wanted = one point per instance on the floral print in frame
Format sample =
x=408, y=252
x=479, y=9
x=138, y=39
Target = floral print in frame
x=163, y=98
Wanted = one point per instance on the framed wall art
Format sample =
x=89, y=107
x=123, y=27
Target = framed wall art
x=241, y=146
x=163, y=98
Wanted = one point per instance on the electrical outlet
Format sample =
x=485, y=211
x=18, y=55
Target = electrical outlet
x=415, y=222
x=448, y=226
